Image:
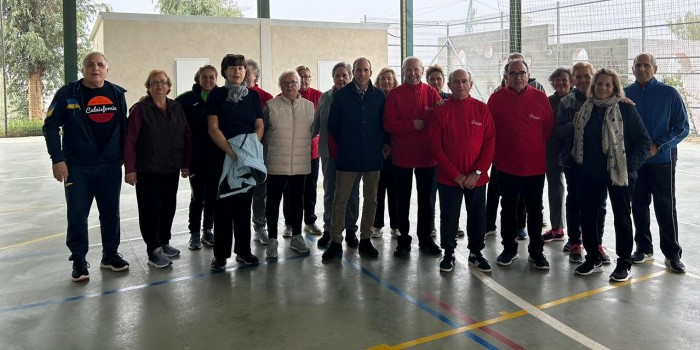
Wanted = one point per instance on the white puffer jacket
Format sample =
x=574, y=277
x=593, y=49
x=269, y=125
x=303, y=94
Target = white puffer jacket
x=287, y=140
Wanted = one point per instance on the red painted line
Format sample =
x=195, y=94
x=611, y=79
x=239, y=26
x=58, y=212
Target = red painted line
x=511, y=344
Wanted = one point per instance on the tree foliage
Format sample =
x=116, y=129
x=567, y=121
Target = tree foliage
x=222, y=8
x=33, y=35
x=686, y=27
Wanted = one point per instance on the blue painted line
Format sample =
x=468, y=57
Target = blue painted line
x=419, y=303
x=59, y=301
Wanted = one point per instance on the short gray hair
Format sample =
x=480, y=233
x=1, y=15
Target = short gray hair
x=451, y=75
x=286, y=73
x=410, y=58
x=256, y=68
x=93, y=53
x=347, y=66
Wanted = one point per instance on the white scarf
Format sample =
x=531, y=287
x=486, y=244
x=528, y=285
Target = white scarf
x=612, y=137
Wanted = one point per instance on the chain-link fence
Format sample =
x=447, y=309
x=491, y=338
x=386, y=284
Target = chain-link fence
x=607, y=33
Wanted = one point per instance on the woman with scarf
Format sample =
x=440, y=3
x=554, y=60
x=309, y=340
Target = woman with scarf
x=231, y=111
x=610, y=143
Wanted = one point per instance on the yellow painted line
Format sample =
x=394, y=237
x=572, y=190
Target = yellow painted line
x=508, y=316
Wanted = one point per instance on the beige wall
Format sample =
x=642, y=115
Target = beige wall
x=137, y=43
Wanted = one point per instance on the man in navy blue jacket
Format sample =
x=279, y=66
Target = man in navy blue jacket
x=666, y=120
x=88, y=159
x=358, y=143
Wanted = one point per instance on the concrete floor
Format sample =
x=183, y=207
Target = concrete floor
x=300, y=303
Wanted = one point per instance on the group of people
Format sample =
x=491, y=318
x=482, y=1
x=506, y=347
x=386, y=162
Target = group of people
x=246, y=152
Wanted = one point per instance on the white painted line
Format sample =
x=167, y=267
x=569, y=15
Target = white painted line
x=27, y=178
x=534, y=311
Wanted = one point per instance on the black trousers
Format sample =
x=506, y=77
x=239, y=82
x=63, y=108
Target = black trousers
x=232, y=220
x=425, y=186
x=620, y=199
x=450, y=208
x=514, y=189
x=656, y=181
x=574, y=188
x=293, y=186
x=310, y=184
x=103, y=184
x=156, y=196
x=493, y=196
x=386, y=190
x=203, y=187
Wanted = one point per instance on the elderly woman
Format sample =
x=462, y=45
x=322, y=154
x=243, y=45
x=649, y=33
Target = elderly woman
x=436, y=78
x=156, y=151
x=233, y=112
x=610, y=144
x=385, y=81
x=311, y=180
x=203, y=180
x=582, y=73
x=561, y=82
x=342, y=75
x=288, y=133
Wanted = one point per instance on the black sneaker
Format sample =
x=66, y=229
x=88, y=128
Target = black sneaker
x=248, y=259
x=351, y=239
x=479, y=262
x=621, y=272
x=335, y=250
x=80, y=270
x=539, y=261
x=208, y=238
x=367, y=249
x=522, y=234
x=430, y=248
x=403, y=247
x=447, y=263
x=506, y=258
x=324, y=240
x=218, y=265
x=114, y=262
x=639, y=257
x=575, y=253
x=195, y=241
x=588, y=267
x=675, y=265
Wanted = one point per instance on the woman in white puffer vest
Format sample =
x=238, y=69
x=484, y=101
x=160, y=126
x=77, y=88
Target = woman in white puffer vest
x=287, y=147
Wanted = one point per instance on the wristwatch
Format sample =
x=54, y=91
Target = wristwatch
x=478, y=172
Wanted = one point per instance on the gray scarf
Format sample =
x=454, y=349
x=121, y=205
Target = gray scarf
x=612, y=137
x=235, y=92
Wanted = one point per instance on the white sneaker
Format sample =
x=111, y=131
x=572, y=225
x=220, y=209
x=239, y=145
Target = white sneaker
x=313, y=229
x=261, y=236
x=287, y=231
x=298, y=243
x=490, y=233
x=271, y=250
x=376, y=232
x=395, y=233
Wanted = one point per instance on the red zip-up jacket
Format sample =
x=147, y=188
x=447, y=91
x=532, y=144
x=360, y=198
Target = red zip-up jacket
x=462, y=137
x=524, y=122
x=312, y=95
x=410, y=148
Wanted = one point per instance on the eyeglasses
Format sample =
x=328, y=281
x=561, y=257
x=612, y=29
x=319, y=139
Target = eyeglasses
x=291, y=82
x=517, y=74
x=159, y=82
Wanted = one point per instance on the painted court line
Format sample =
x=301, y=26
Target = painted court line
x=508, y=316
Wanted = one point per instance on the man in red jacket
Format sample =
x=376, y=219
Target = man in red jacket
x=462, y=137
x=406, y=116
x=523, y=119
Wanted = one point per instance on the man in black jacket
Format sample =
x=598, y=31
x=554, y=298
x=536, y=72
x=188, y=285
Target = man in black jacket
x=88, y=159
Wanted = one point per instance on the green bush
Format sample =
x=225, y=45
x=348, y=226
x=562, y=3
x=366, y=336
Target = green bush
x=22, y=127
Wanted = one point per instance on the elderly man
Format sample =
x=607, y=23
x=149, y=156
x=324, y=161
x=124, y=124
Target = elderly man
x=406, y=116
x=462, y=138
x=524, y=120
x=666, y=120
x=357, y=138
x=92, y=114
x=252, y=75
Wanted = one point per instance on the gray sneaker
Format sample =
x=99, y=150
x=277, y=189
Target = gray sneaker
x=376, y=232
x=298, y=243
x=169, y=251
x=313, y=229
x=208, y=238
x=271, y=250
x=395, y=233
x=287, y=231
x=261, y=236
x=159, y=259
x=195, y=242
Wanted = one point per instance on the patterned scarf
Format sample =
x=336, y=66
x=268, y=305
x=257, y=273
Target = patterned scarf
x=235, y=92
x=612, y=136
